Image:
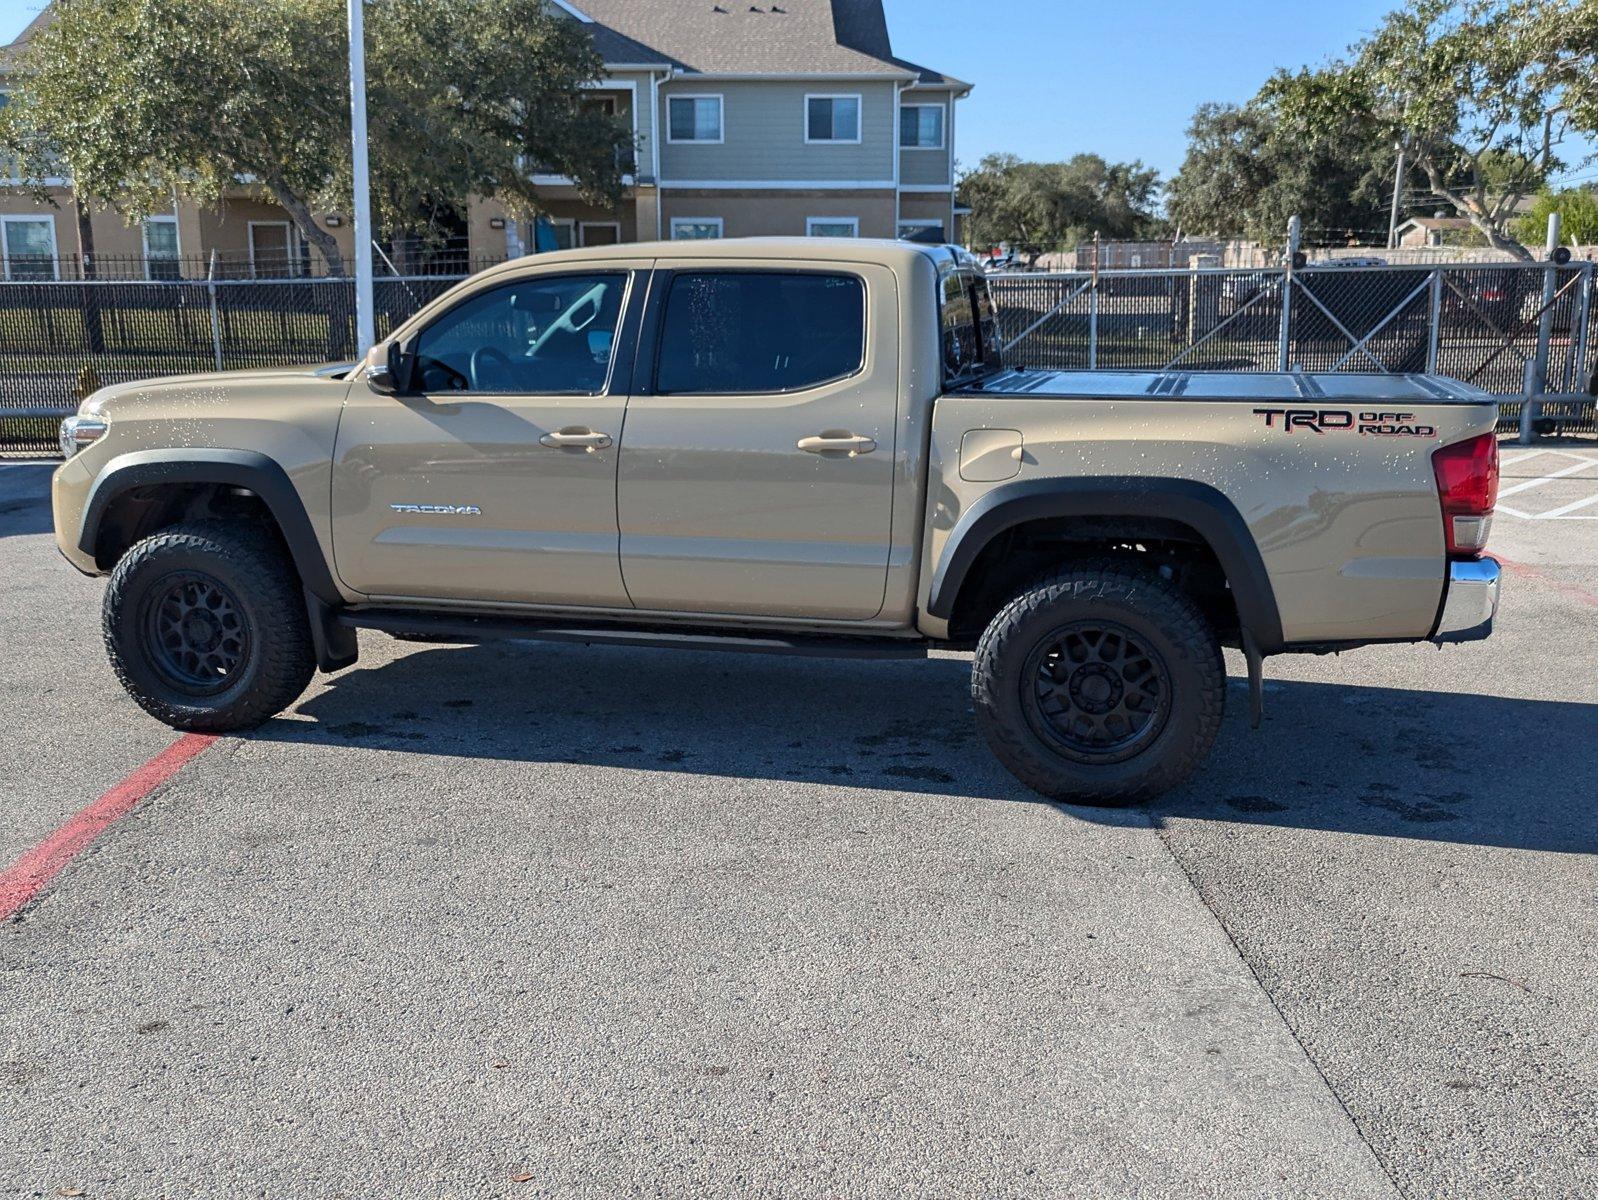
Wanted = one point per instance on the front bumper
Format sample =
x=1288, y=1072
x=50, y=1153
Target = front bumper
x=1470, y=603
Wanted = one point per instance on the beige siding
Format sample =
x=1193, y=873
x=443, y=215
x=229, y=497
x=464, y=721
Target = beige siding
x=763, y=124
x=783, y=213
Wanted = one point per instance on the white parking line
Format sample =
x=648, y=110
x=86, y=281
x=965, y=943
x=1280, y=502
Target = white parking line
x=1560, y=474
x=1558, y=514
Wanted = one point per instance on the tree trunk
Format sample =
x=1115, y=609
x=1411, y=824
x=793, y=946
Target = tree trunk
x=93, y=324
x=1497, y=237
x=338, y=308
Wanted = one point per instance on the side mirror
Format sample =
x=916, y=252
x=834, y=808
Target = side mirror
x=387, y=369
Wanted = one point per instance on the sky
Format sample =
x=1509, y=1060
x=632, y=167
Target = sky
x=1061, y=77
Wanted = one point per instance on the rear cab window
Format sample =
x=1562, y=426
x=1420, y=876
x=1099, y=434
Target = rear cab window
x=968, y=327
x=753, y=332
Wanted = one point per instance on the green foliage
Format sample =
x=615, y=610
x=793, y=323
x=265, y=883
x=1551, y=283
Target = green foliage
x=1304, y=145
x=1036, y=205
x=141, y=99
x=1481, y=94
x=1578, y=216
x=1484, y=95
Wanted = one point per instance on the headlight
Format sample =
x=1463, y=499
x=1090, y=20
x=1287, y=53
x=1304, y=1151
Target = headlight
x=79, y=431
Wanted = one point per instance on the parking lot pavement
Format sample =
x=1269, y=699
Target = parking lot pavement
x=539, y=920
x=70, y=730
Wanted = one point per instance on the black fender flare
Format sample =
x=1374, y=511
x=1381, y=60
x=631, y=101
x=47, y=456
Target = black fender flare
x=266, y=478
x=1204, y=509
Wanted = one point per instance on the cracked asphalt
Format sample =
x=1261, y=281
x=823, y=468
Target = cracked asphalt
x=535, y=920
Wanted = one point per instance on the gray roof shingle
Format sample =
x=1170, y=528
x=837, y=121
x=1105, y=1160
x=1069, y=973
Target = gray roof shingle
x=758, y=37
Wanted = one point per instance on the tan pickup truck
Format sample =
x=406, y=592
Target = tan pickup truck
x=808, y=447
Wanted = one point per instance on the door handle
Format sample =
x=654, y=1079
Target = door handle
x=835, y=443
x=576, y=439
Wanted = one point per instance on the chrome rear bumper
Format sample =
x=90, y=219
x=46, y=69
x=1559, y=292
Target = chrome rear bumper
x=1471, y=602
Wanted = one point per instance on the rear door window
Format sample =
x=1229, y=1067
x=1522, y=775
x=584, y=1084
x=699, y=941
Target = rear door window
x=760, y=331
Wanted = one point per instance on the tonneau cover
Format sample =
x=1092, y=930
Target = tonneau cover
x=1293, y=387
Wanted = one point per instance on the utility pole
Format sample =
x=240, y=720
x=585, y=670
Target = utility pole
x=365, y=321
x=1398, y=196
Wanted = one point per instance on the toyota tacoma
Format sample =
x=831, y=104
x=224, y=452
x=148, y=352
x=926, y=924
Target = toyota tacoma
x=786, y=446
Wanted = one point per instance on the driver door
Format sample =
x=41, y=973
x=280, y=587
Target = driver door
x=496, y=481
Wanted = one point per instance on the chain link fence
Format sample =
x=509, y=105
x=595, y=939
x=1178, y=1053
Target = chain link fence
x=1513, y=329
x=59, y=341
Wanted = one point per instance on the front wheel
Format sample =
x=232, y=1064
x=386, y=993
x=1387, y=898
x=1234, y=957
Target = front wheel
x=206, y=626
x=1100, y=686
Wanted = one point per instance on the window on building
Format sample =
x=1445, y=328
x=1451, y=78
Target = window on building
x=833, y=227
x=689, y=229
x=161, y=248
x=921, y=126
x=832, y=118
x=29, y=248
x=694, y=119
x=930, y=232
x=760, y=332
x=544, y=337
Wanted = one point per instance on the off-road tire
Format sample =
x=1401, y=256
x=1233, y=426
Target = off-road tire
x=251, y=566
x=1155, y=611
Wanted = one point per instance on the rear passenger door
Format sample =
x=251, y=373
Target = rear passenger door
x=757, y=462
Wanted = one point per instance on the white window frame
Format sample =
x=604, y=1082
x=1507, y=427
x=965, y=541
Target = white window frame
x=718, y=222
x=144, y=241
x=7, y=221
x=921, y=223
x=584, y=226
x=859, y=124
x=721, y=119
x=290, y=250
x=943, y=127
x=812, y=222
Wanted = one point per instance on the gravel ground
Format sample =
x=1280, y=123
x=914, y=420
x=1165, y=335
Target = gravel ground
x=538, y=920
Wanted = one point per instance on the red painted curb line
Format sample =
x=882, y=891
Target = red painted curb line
x=32, y=873
x=1558, y=585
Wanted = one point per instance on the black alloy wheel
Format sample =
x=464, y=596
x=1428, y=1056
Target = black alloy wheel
x=1096, y=692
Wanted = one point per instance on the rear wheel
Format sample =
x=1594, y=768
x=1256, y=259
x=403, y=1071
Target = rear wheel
x=1100, y=685
x=206, y=627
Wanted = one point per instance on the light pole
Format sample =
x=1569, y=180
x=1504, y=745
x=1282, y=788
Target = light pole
x=365, y=323
x=1398, y=195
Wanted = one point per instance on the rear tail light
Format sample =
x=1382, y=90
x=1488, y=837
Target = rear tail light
x=1467, y=485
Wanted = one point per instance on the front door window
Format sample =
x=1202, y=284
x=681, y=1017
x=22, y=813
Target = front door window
x=545, y=337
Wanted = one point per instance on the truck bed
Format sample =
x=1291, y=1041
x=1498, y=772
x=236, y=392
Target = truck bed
x=1331, y=473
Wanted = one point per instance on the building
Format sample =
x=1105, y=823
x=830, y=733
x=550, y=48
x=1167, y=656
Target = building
x=771, y=117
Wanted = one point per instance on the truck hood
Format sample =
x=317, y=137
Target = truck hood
x=213, y=385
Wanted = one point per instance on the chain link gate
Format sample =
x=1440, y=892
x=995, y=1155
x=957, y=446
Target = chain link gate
x=1490, y=325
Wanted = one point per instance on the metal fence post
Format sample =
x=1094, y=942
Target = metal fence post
x=1435, y=333
x=1093, y=310
x=216, y=319
x=1295, y=235
x=1578, y=359
x=1537, y=373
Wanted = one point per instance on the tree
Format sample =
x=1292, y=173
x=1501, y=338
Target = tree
x=1035, y=205
x=138, y=100
x=1304, y=145
x=1484, y=95
x=1578, y=216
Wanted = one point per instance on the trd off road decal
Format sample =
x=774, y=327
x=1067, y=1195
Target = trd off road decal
x=1340, y=420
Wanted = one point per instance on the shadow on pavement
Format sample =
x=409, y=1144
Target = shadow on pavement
x=1456, y=768
x=25, y=498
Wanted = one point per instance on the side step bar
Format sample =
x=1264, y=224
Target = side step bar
x=410, y=625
